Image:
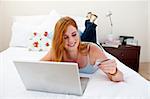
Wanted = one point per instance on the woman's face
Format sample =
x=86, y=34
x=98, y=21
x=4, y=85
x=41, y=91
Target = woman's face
x=71, y=38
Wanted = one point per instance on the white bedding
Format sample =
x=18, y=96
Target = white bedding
x=99, y=86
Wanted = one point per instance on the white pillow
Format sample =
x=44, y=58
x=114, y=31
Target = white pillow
x=80, y=22
x=20, y=34
x=48, y=23
x=24, y=26
x=47, y=26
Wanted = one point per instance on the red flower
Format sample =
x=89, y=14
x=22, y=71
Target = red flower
x=34, y=33
x=35, y=44
x=47, y=44
x=46, y=34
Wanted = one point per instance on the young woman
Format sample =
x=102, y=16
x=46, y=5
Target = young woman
x=67, y=47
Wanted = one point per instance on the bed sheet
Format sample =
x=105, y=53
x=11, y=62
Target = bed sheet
x=99, y=86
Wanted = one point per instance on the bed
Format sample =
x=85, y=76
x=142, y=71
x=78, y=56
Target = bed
x=11, y=87
x=99, y=86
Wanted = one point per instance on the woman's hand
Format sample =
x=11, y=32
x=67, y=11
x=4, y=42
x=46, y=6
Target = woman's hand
x=108, y=66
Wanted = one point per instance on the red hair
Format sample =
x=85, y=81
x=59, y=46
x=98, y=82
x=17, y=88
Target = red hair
x=57, y=42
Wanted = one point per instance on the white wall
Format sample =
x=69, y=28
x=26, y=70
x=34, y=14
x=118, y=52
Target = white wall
x=1, y=47
x=129, y=17
x=149, y=28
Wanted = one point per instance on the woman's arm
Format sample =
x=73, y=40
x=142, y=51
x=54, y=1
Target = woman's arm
x=109, y=67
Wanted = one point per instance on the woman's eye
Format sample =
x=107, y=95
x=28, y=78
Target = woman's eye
x=65, y=37
x=74, y=34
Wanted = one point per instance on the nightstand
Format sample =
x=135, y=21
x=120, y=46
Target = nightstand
x=127, y=54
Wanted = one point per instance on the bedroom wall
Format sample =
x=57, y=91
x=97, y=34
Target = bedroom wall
x=149, y=28
x=1, y=47
x=129, y=17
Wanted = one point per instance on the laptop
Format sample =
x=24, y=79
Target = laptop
x=56, y=77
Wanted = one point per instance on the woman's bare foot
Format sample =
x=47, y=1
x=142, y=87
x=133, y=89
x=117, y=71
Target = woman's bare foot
x=93, y=18
x=88, y=16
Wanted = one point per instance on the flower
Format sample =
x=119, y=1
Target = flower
x=39, y=41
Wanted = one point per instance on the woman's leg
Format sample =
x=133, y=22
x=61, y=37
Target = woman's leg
x=89, y=34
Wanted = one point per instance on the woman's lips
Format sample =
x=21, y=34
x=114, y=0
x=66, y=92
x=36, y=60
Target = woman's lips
x=72, y=45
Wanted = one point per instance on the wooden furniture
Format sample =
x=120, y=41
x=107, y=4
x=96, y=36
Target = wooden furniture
x=127, y=54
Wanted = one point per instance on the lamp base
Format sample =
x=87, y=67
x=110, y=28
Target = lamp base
x=110, y=37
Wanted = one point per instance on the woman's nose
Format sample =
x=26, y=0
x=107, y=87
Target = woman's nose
x=71, y=40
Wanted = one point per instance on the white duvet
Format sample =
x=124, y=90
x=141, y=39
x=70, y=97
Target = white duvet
x=99, y=86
